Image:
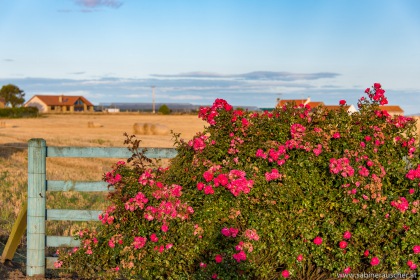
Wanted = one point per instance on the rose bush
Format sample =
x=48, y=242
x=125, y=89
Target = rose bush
x=264, y=196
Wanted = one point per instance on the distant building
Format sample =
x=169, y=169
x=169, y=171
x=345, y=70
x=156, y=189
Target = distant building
x=392, y=109
x=347, y=108
x=298, y=102
x=60, y=103
x=2, y=102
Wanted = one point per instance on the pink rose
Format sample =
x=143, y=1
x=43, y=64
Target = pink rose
x=366, y=253
x=285, y=273
x=374, y=261
x=154, y=238
x=416, y=249
x=299, y=258
x=343, y=244
x=343, y=102
x=318, y=240
x=347, y=235
x=347, y=270
x=218, y=258
x=225, y=232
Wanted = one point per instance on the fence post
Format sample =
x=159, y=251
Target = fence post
x=35, y=254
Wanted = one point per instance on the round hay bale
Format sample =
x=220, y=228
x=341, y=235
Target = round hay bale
x=150, y=129
x=94, y=125
x=159, y=129
x=142, y=128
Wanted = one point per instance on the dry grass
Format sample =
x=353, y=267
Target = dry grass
x=71, y=130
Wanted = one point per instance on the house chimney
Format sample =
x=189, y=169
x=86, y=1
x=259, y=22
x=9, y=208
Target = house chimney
x=307, y=101
x=60, y=99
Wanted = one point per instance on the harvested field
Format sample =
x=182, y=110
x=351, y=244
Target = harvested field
x=104, y=129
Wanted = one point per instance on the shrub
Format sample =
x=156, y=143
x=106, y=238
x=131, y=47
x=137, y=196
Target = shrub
x=19, y=112
x=265, y=196
x=164, y=109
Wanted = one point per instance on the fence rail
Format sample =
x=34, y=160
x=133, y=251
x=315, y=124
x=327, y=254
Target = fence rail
x=38, y=185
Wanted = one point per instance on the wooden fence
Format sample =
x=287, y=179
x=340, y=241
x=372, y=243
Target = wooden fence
x=38, y=185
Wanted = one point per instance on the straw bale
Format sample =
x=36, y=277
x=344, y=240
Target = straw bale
x=94, y=125
x=150, y=129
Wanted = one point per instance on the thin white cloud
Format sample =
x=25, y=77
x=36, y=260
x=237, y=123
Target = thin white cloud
x=92, y=4
x=256, y=75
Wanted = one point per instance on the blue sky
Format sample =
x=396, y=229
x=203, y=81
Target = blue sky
x=247, y=52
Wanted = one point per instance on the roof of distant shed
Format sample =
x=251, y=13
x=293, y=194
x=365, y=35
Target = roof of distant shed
x=392, y=108
x=66, y=100
x=283, y=102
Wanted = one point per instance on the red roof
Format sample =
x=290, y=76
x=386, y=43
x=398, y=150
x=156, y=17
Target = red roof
x=392, y=108
x=337, y=107
x=291, y=101
x=315, y=104
x=62, y=100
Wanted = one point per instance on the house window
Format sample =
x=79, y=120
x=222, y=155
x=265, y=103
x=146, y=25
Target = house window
x=68, y=108
x=52, y=108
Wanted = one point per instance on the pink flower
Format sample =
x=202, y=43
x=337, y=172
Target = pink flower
x=343, y=102
x=200, y=186
x=411, y=191
x=347, y=235
x=218, y=258
x=251, y=234
x=139, y=242
x=347, y=270
x=225, y=232
x=233, y=232
x=154, y=238
x=318, y=240
x=374, y=261
x=336, y=135
x=208, y=190
x=165, y=227
x=285, y=273
x=169, y=246
x=58, y=264
x=203, y=265
x=117, y=268
x=208, y=176
x=343, y=244
x=366, y=253
x=241, y=256
x=299, y=258
x=416, y=249
x=214, y=276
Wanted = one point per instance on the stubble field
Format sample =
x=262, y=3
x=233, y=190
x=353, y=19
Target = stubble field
x=72, y=130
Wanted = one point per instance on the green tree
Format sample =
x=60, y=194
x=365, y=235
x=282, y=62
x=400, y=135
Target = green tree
x=13, y=95
x=164, y=109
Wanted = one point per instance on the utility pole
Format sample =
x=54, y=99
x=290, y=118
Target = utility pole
x=153, y=98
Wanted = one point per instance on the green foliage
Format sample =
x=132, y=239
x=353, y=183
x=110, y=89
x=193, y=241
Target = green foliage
x=20, y=112
x=292, y=192
x=13, y=95
x=164, y=110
